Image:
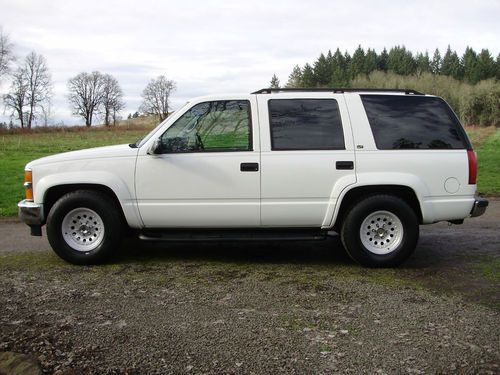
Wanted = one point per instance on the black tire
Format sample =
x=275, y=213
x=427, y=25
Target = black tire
x=111, y=219
x=351, y=236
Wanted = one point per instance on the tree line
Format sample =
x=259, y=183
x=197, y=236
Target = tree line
x=470, y=83
x=339, y=69
x=90, y=94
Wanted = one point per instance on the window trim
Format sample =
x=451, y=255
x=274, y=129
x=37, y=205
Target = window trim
x=467, y=145
x=273, y=148
x=250, y=130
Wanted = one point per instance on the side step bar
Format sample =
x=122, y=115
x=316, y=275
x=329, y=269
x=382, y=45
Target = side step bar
x=232, y=235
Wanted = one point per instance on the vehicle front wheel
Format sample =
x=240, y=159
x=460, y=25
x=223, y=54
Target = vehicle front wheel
x=84, y=227
x=380, y=231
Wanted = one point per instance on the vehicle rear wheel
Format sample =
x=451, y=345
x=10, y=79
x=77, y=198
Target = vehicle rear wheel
x=84, y=227
x=380, y=231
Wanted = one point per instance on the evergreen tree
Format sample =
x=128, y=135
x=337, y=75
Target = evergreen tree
x=423, y=62
x=436, y=62
x=370, y=61
x=295, y=77
x=450, y=66
x=357, y=64
x=401, y=61
x=330, y=61
x=308, y=77
x=339, y=60
x=485, y=67
x=469, y=63
x=347, y=61
x=498, y=67
x=275, y=82
x=340, y=77
x=322, y=71
x=382, y=60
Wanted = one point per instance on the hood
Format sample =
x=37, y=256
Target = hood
x=89, y=153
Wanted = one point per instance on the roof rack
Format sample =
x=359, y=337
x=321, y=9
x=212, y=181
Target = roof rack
x=335, y=90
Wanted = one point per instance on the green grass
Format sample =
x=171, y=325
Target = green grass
x=490, y=268
x=18, y=149
x=489, y=165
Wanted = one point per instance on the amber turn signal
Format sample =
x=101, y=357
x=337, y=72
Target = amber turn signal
x=28, y=185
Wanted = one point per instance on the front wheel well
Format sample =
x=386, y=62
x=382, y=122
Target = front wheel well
x=356, y=194
x=53, y=194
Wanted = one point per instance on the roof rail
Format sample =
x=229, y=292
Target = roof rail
x=335, y=90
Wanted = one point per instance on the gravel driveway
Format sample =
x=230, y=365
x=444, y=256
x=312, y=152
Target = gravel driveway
x=257, y=308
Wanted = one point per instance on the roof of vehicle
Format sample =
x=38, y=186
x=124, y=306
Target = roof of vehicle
x=337, y=90
x=306, y=92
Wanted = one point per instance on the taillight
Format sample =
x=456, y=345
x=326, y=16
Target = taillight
x=28, y=184
x=471, y=156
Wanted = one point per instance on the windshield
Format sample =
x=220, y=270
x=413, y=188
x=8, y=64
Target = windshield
x=144, y=139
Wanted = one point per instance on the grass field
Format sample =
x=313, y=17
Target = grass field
x=489, y=165
x=18, y=149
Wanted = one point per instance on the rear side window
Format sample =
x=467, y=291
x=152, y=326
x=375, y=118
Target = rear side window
x=305, y=124
x=413, y=122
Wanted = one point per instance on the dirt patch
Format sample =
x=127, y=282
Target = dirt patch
x=239, y=308
x=237, y=317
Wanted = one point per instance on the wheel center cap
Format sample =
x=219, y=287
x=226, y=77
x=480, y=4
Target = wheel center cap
x=84, y=229
x=381, y=232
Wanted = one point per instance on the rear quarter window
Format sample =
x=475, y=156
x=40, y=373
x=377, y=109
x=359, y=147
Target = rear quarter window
x=413, y=122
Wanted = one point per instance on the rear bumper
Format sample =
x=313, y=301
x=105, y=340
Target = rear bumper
x=479, y=207
x=31, y=213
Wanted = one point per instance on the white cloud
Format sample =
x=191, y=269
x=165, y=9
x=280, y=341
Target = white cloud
x=222, y=46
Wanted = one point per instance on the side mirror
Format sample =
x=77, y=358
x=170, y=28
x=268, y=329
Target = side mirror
x=156, y=147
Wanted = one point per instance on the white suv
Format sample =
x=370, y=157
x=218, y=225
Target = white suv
x=275, y=164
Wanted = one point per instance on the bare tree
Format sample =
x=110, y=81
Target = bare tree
x=30, y=90
x=6, y=55
x=112, y=100
x=156, y=97
x=17, y=98
x=86, y=92
x=39, y=85
x=46, y=112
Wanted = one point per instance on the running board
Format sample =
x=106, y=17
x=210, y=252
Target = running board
x=233, y=235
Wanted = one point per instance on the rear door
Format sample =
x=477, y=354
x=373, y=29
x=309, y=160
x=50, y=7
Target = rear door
x=307, y=158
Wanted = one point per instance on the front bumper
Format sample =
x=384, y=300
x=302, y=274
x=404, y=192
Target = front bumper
x=479, y=207
x=31, y=213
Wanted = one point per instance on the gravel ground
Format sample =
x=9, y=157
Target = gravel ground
x=257, y=308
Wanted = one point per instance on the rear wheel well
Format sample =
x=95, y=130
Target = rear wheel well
x=53, y=194
x=355, y=195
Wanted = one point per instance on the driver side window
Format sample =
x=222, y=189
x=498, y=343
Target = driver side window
x=211, y=126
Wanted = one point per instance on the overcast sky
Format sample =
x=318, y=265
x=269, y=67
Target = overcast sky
x=227, y=46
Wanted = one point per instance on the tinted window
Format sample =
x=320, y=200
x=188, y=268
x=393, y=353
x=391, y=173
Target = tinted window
x=211, y=126
x=305, y=124
x=413, y=122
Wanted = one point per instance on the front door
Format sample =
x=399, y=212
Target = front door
x=207, y=173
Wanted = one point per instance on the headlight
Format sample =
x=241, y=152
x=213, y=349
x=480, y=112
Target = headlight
x=28, y=184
